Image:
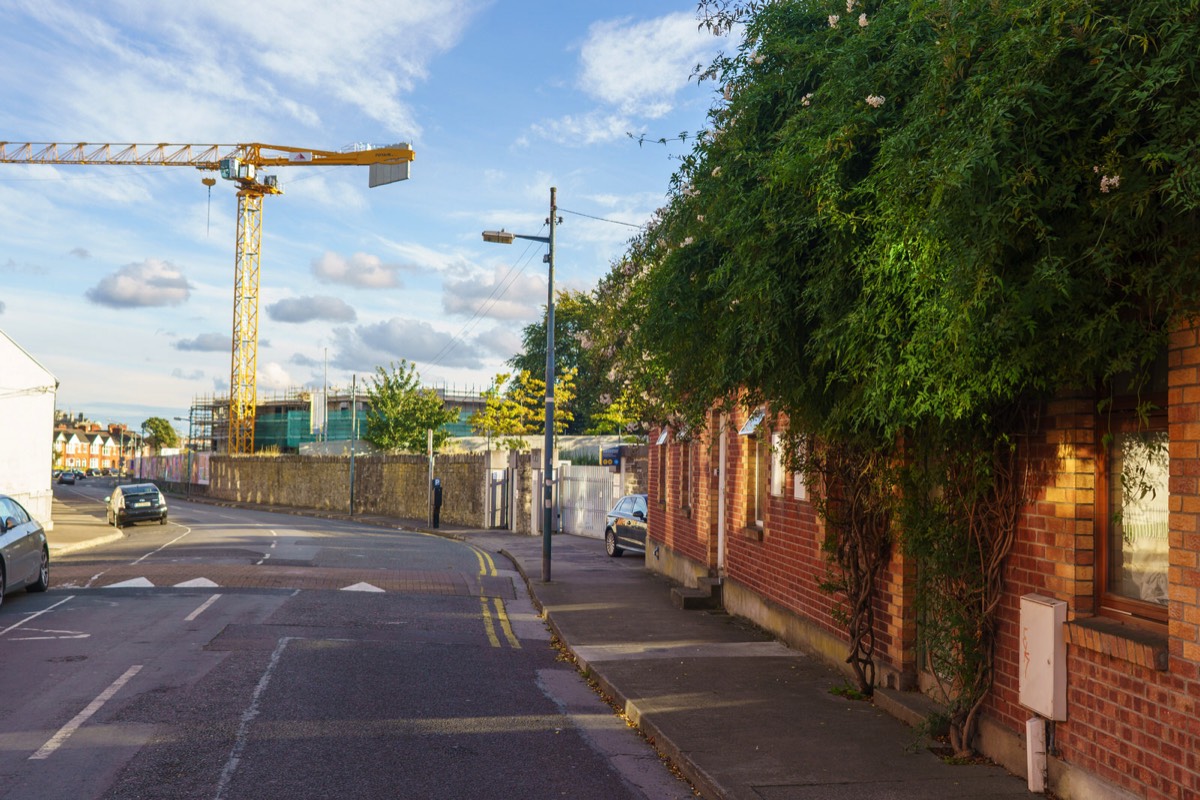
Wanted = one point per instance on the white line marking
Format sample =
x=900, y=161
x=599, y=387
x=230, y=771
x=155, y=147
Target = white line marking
x=65, y=731
x=132, y=583
x=164, y=547
x=35, y=615
x=203, y=607
x=248, y=716
x=361, y=587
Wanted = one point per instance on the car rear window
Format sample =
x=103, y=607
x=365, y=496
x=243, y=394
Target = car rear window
x=140, y=490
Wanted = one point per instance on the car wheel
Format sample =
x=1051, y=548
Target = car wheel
x=2, y=582
x=610, y=544
x=43, y=579
x=162, y=520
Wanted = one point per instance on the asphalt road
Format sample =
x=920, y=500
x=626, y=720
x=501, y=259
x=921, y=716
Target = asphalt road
x=241, y=654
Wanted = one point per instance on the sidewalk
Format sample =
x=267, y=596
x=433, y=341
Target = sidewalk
x=739, y=714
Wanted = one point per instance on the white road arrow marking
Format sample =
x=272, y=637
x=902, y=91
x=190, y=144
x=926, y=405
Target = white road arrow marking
x=136, y=583
x=361, y=587
x=198, y=583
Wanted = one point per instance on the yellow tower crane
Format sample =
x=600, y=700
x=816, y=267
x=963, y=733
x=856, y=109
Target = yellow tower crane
x=240, y=163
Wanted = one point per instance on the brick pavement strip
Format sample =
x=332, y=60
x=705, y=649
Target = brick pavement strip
x=267, y=576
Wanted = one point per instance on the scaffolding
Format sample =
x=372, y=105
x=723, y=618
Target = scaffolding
x=286, y=420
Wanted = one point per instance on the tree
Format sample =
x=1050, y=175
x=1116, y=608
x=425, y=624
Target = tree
x=529, y=396
x=500, y=416
x=401, y=412
x=575, y=316
x=917, y=222
x=159, y=433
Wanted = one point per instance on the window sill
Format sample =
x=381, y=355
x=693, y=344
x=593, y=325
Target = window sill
x=1124, y=640
x=753, y=532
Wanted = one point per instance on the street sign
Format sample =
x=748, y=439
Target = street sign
x=610, y=457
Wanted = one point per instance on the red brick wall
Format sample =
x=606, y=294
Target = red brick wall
x=1133, y=711
x=783, y=563
x=1133, y=690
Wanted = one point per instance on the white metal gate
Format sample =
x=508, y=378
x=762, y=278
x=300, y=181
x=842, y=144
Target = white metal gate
x=585, y=494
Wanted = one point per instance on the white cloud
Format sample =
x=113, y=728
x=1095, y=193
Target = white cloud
x=503, y=294
x=207, y=343
x=308, y=309
x=273, y=377
x=594, y=127
x=134, y=71
x=361, y=270
x=365, y=347
x=151, y=283
x=638, y=67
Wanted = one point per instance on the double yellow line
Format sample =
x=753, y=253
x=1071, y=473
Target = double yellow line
x=487, y=567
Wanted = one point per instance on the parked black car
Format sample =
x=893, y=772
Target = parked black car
x=66, y=476
x=625, y=525
x=24, y=554
x=137, y=502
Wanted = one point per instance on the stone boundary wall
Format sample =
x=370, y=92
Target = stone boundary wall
x=389, y=485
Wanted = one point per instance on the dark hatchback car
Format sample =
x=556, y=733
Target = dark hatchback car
x=24, y=554
x=137, y=502
x=66, y=476
x=625, y=525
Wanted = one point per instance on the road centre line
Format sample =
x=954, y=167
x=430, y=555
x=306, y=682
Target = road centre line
x=248, y=716
x=35, y=615
x=65, y=731
x=203, y=607
x=164, y=547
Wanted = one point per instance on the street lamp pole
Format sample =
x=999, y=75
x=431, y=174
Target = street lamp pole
x=548, y=446
x=504, y=237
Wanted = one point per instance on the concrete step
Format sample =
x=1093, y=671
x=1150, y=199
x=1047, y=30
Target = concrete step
x=689, y=599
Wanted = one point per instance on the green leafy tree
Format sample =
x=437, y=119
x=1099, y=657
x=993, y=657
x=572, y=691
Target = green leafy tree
x=917, y=222
x=529, y=396
x=501, y=416
x=401, y=412
x=159, y=433
x=575, y=320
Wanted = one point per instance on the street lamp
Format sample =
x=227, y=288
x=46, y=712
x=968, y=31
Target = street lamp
x=190, y=447
x=504, y=237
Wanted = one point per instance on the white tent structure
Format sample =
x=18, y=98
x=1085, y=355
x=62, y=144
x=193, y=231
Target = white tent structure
x=27, y=393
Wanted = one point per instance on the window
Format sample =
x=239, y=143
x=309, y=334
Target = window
x=685, y=475
x=661, y=466
x=1133, y=515
x=776, y=465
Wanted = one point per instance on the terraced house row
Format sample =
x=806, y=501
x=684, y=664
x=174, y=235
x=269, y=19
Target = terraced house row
x=91, y=447
x=1118, y=557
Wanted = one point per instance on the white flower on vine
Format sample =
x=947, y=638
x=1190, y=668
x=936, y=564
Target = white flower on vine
x=699, y=218
x=862, y=20
x=686, y=242
x=876, y=100
x=850, y=4
x=806, y=100
x=833, y=20
x=716, y=173
x=1109, y=182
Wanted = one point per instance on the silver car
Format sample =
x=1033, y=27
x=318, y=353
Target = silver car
x=24, y=554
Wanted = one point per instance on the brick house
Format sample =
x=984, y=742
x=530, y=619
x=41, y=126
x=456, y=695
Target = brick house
x=94, y=447
x=1124, y=558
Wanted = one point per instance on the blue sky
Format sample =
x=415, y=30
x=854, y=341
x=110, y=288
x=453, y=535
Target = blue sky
x=119, y=279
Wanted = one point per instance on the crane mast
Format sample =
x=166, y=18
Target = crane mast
x=239, y=163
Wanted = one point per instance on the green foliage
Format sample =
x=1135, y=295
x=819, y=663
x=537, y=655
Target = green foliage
x=575, y=315
x=501, y=416
x=915, y=226
x=529, y=396
x=159, y=433
x=401, y=412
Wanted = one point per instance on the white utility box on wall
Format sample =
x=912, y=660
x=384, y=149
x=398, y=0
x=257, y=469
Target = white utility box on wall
x=1043, y=667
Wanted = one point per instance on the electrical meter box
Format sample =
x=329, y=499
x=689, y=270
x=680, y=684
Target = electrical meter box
x=1043, y=656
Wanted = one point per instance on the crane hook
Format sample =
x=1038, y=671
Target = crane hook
x=209, y=182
